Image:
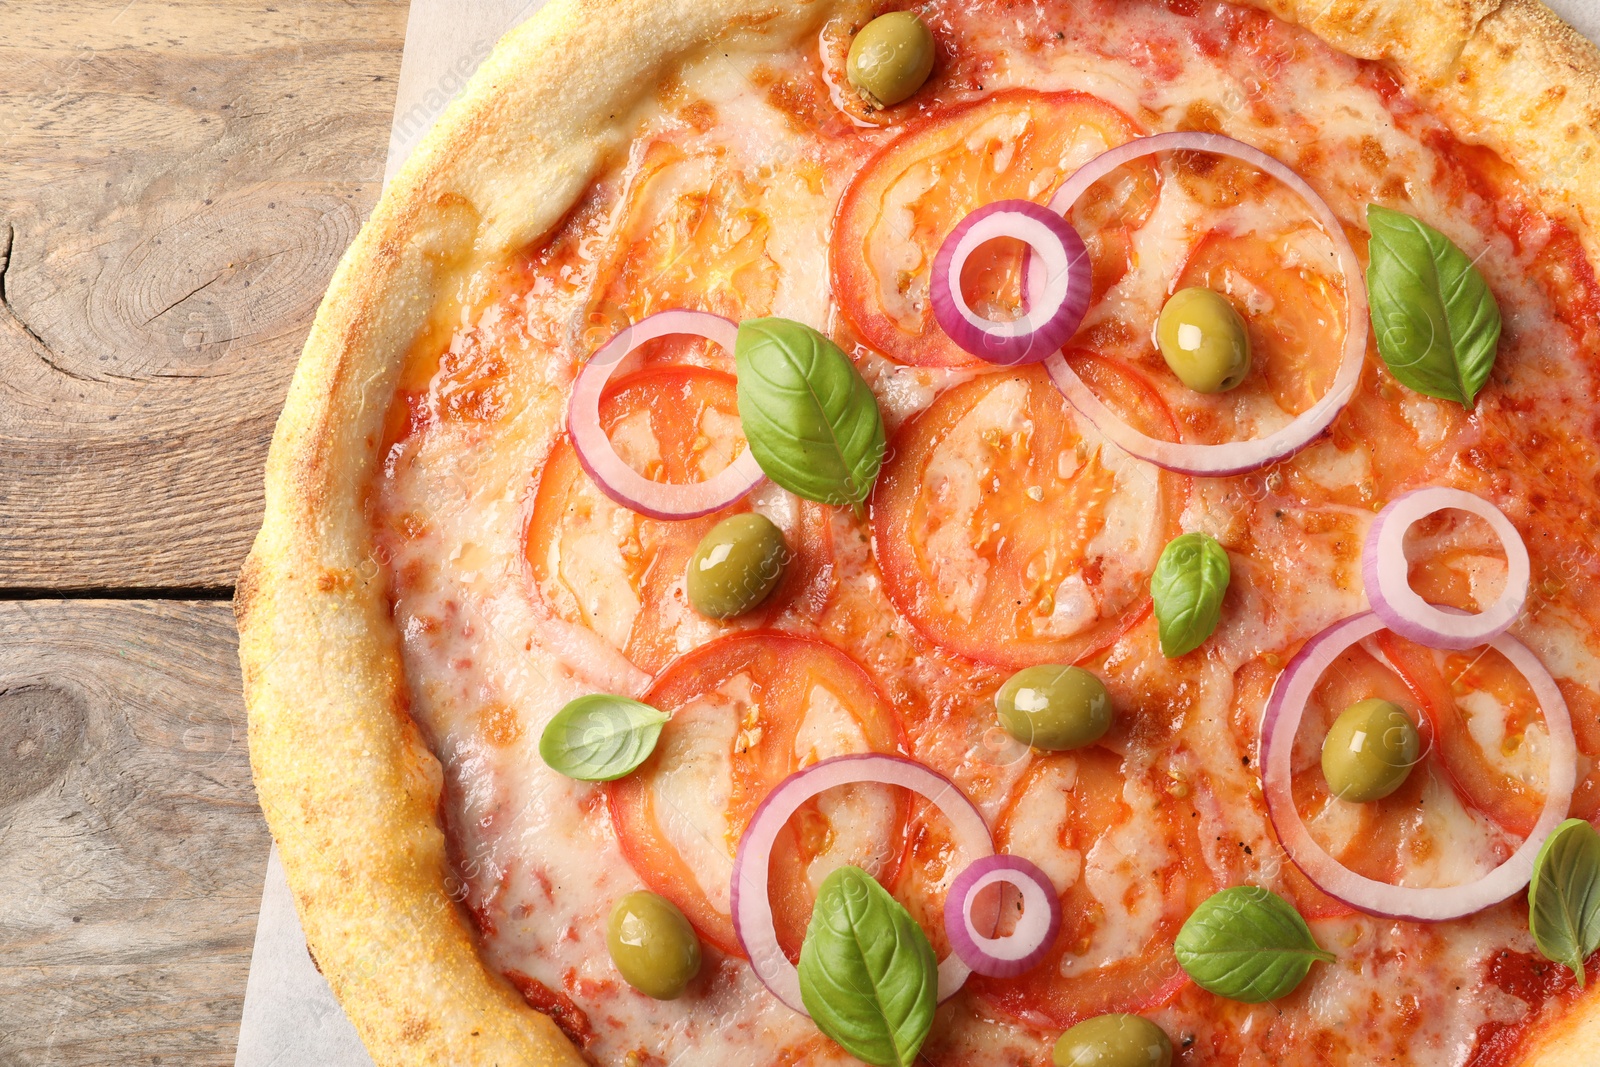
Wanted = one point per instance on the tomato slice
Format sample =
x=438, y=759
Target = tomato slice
x=1008, y=532
x=1372, y=839
x=1403, y=435
x=1293, y=314
x=900, y=206
x=1457, y=814
x=600, y=565
x=694, y=234
x=1455, y=560
x=1272, y=869
x=748, y=710
x=1583, y=704
x=1482, y=709
x=1125, y=857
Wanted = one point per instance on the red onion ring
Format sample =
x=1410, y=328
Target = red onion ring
x=1023, y=948
x=1234, y=457
x=617, y=480
x=752, y=908
x=1385, y=572
x=1058, y=267
x=1282, y=718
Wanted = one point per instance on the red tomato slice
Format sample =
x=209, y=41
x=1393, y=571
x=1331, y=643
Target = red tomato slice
x=1007, y=533
x=1375, y=421
x=1133, y=873
x=694, y=235
x=1373, y=839
x=598, y=564
x=1445, y=686
x=1447, y=551
x=1442, y=692
x=1253, y=684
x=1294, y=315
x=1583, y=704
x=1017, y=144
x=748, y=710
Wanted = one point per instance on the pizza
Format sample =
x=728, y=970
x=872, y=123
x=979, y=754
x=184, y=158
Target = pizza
x=988, y=533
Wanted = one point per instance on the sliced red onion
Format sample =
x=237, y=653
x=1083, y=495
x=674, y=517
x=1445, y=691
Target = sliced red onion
x=1282, y=718
x=1387, y=574
x=617, y=480
x=752, y=908
x=1027, y=944
x=1058, y=267
x=1234, y=457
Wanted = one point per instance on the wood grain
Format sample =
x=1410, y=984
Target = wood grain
x=131, y=847
x=177, y=182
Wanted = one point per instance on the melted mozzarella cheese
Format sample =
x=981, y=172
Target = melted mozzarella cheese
x=1122, y=871
x=953, y=482
x=594, y=583
x=1525, y=758
x=693, y=786
x=1036, y=826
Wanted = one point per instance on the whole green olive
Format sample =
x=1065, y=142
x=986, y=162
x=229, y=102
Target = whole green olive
x=1370, y=751
x=1114, y=1041
x=1054, y=707
x=890, y=58
x=652, y=944
x=1203, y=340
x=737, y=566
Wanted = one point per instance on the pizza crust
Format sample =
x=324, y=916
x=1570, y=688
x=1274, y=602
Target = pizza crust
x=1510, y=74
x=346, y=783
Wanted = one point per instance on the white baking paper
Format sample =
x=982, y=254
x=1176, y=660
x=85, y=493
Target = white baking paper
x=290, y=1016
x=1582, y=15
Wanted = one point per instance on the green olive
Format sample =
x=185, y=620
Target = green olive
x=1114, y=1041
x=1203, y=340
x=1370, y=751
x=737, y=565
x=1054, y=707
x=891, y=58
x=653, y=945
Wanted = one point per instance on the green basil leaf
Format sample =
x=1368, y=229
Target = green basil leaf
x=1249, y=944
x=811, y=421
x=600, y=738
x=1564, y=895
x=868, y=975
x=1188, y=585
x=1438, y=325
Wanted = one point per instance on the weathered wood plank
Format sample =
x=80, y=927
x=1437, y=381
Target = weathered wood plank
x=131, y=847
x=177, y=182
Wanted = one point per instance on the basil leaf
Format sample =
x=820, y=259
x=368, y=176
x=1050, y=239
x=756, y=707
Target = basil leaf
x=1438, y=325
x=600, y=738
x=1249, y=944
x=1564, y=896
x=868, y=975
x=1189, y=582
x=811, y=421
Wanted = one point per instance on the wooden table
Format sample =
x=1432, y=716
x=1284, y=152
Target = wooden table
x=178, y=181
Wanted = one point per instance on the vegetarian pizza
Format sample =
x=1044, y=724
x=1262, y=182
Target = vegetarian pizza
x=986, y=533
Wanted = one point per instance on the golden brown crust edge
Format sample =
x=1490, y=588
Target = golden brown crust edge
x=347, y=786
x=1507, y=73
